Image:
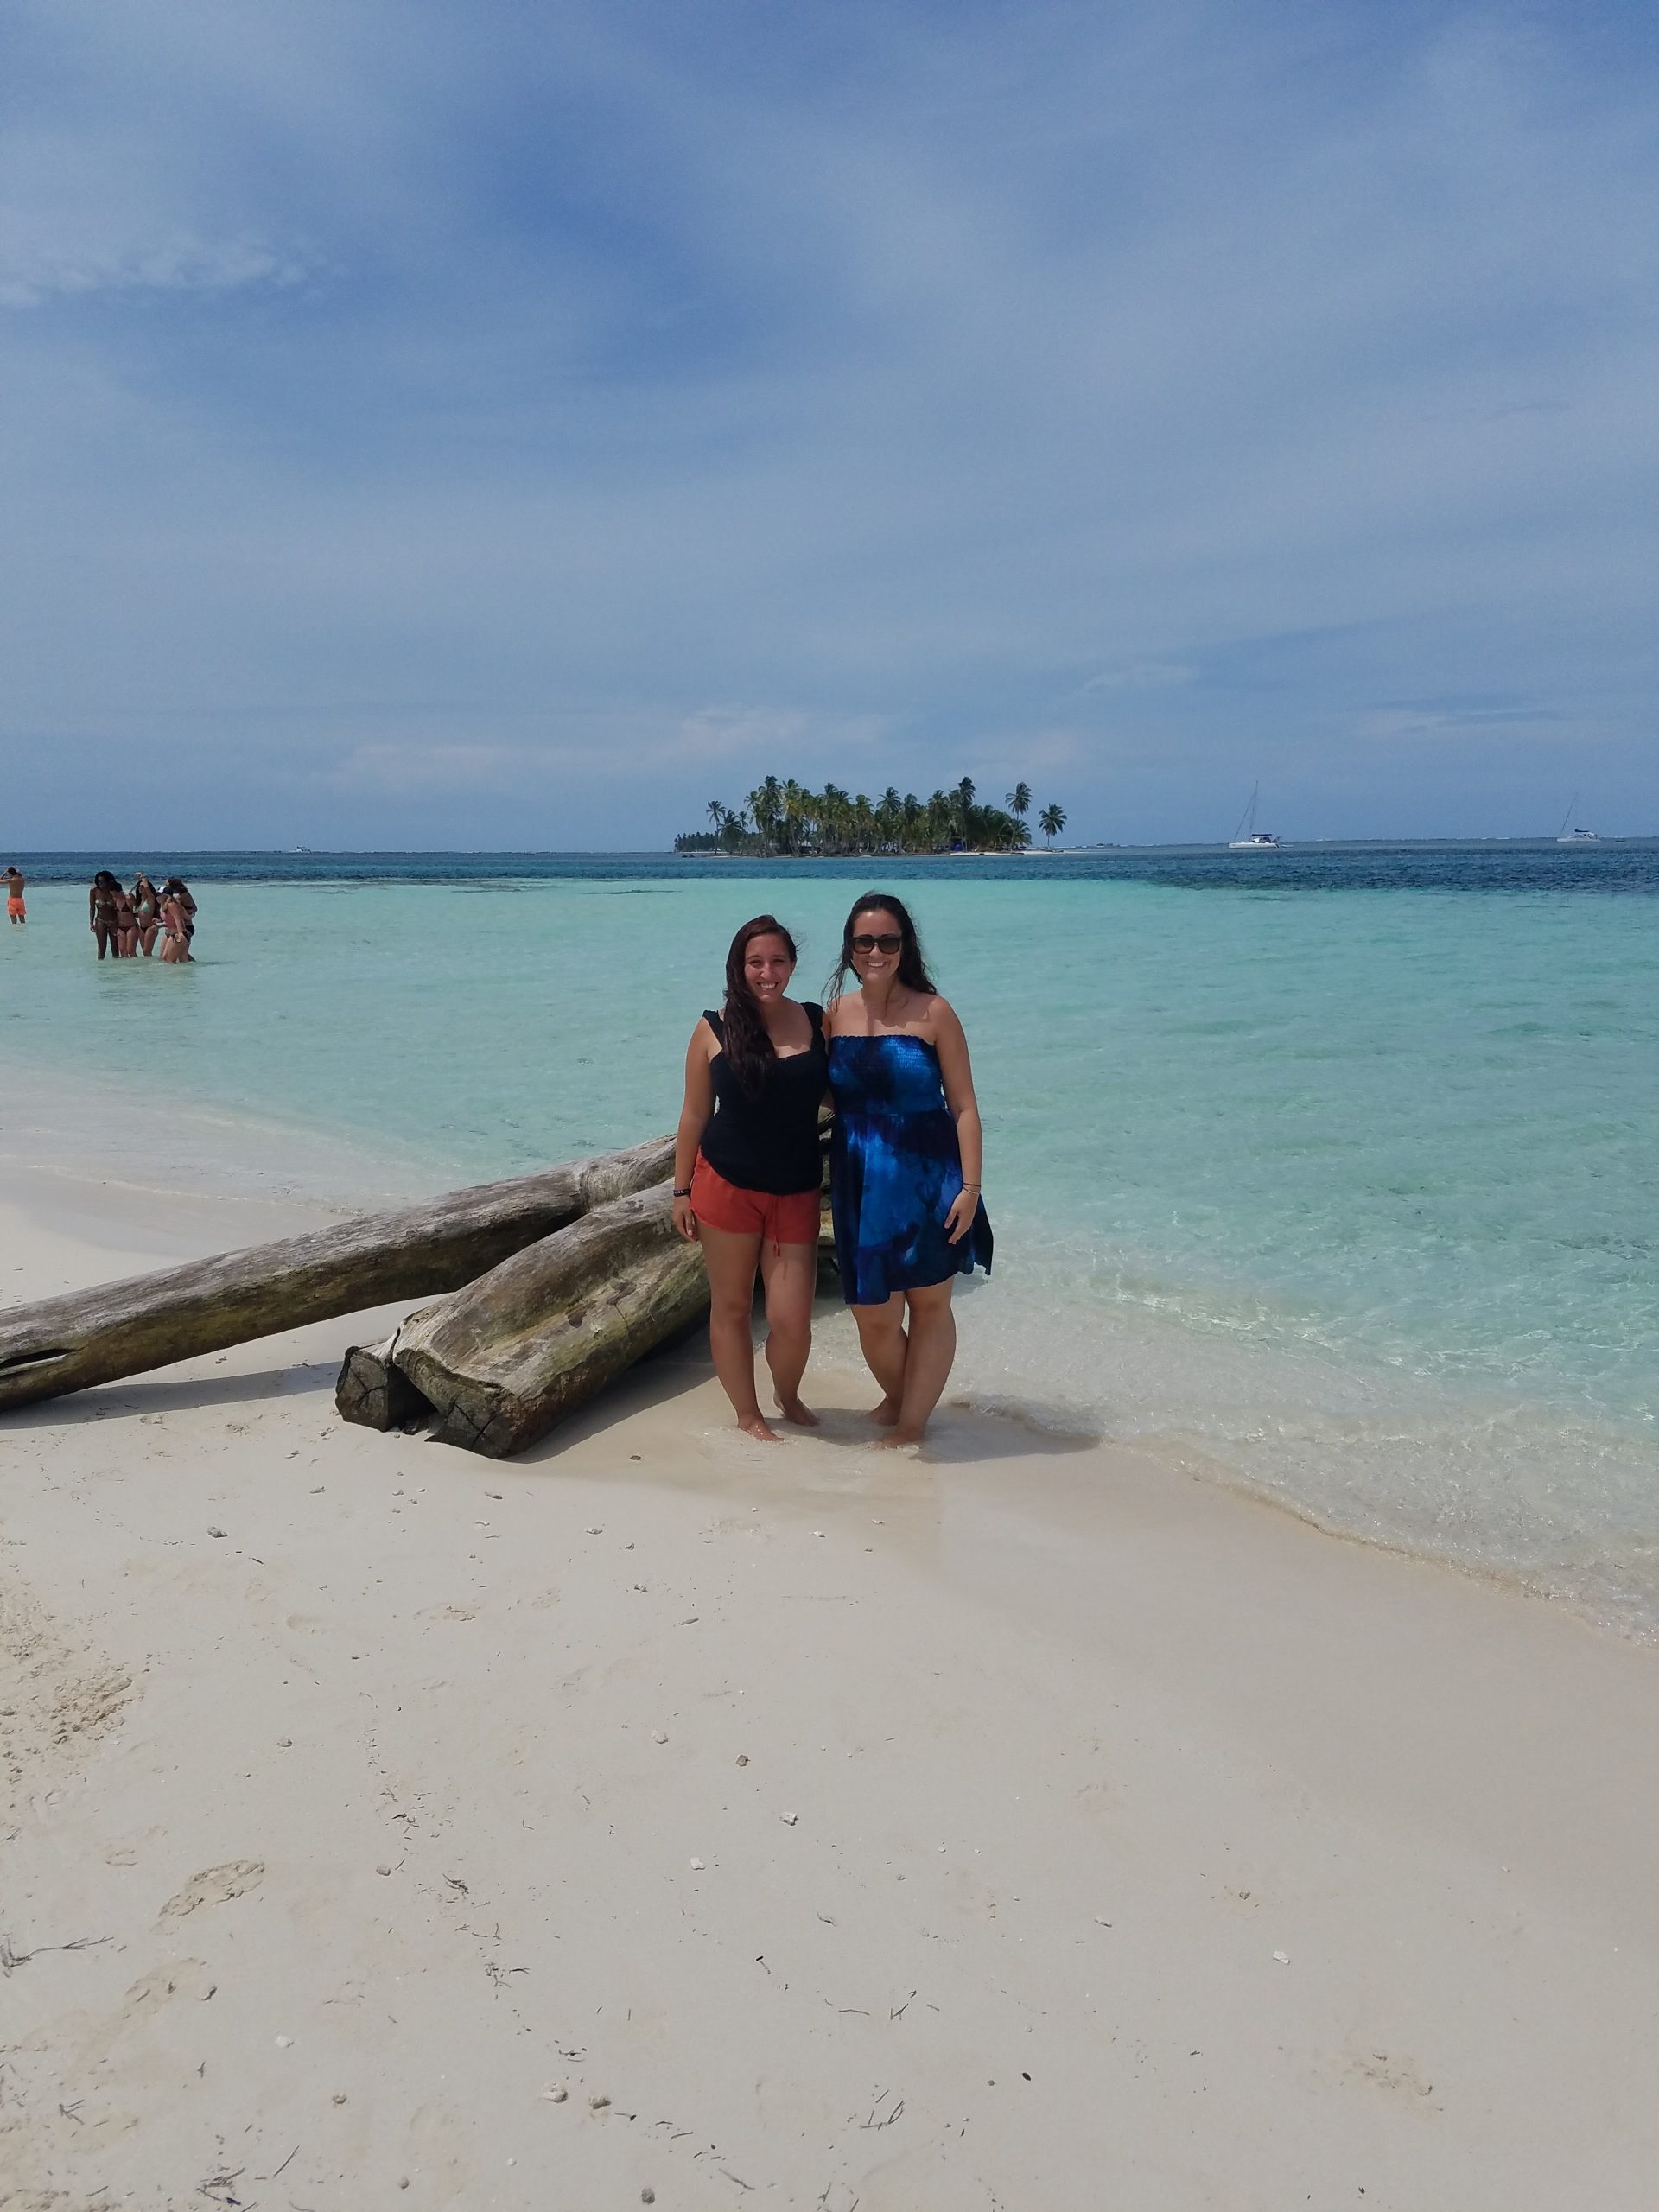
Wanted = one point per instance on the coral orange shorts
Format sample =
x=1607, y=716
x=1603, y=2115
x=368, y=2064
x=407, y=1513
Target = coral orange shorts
x=15, y=908
x=791, y=1219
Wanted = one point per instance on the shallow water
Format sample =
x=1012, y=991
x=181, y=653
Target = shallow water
x=1338, y=1175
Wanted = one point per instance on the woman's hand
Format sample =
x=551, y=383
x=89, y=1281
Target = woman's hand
x=960, y=1219
x=684, y=1220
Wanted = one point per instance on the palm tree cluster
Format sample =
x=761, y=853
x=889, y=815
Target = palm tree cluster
x=782, y=817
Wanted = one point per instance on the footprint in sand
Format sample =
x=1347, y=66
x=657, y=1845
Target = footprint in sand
x=185, y=1977
x=1401, y=2077
x=215, y=1885
x=126, y=1852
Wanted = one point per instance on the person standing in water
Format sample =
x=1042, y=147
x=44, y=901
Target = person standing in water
x=747, y=1170
x=147, y=907
x=181, y=890
x=175, y=926
x=126, y=923
x=905, y=1159
x=16, y=910
x=101, y=914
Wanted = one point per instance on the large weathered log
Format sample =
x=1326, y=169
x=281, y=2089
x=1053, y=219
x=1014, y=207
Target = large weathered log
x=123, y=1328
x=504, y=1359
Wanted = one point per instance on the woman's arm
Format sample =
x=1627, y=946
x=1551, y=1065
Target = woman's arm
x=697, y=1111
x=954, y=1066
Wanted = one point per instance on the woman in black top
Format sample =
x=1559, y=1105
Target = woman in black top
x=748, y=1169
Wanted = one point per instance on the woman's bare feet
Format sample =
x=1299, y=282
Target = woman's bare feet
x=884, y=1414
x=793, y=1410
x=756, y=1425
x=897, y=1436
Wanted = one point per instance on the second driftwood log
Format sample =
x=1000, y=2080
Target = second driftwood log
x=502, y=1360
x=124, y=1328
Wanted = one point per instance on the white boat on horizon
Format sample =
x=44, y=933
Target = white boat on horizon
x=1246, y=837
x=1565, y=836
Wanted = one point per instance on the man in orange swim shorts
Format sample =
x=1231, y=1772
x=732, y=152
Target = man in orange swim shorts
x=15, y=910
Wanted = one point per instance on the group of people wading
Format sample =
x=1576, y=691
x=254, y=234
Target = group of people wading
x=905, y=1152
x=126, y=922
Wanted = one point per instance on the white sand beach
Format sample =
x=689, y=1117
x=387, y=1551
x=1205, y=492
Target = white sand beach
x=666, y=1818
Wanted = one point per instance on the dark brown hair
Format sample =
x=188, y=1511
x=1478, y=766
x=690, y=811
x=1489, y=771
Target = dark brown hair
x=749, y=1049
x=912, y=963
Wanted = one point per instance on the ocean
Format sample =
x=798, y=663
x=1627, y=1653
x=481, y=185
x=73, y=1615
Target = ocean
x=1330, y=1172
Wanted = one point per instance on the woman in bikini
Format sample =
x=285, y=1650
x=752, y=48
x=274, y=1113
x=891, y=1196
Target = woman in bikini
x=101, y=913
x=147, y=906
x=181, y=890
x=126, y=923
x=748, y=1169
x=175, y=926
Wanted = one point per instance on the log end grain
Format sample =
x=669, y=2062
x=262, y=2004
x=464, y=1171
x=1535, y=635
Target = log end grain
x=373, y=1392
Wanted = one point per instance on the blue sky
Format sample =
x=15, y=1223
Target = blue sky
x=513, y=424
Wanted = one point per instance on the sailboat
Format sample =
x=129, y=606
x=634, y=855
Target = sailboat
x=1247, y=838
x=1565, y=836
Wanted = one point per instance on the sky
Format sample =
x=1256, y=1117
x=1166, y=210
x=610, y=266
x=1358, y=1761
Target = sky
x=511, y=425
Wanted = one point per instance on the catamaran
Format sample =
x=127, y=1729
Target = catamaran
x=1247, y=838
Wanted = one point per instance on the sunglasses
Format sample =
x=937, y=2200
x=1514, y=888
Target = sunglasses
x=890, y=944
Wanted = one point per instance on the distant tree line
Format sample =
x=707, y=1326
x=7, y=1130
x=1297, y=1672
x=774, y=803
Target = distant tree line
x=783, y=818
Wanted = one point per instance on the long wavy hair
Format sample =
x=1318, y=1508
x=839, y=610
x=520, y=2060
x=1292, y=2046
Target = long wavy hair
x=749, y=1049
x=912, y=961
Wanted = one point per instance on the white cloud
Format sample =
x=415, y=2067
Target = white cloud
x=48, y=265
x=1453, y=725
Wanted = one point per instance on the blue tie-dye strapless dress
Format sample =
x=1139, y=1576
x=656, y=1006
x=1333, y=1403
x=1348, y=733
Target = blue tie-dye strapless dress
x=896, y=1170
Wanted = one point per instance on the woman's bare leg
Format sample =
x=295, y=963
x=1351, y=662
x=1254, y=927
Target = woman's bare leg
x=927, y=1366
x=732, y=1263
x=882, y=1340
x=789, y=1272
x=104, y=936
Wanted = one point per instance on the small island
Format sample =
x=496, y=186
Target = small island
x=781, y=819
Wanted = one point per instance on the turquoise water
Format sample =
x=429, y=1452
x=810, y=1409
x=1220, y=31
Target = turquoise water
x=1340, y=1187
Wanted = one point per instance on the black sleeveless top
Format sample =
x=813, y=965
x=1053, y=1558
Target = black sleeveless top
x=770, y=1143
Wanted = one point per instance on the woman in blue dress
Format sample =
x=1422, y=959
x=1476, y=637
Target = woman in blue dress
x=906, y=1153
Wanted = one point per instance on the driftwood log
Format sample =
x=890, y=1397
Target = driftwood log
x=124, y=1328
x=501, y=1362
x=372, y=1394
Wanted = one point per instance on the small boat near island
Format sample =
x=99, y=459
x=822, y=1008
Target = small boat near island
x=1246, y=837
x=1565, y=836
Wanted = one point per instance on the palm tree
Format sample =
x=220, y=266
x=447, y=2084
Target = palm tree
x=766, y=805
x=1019, y=800
x=1051, y=822
x=716, y=813
x=794, y=809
